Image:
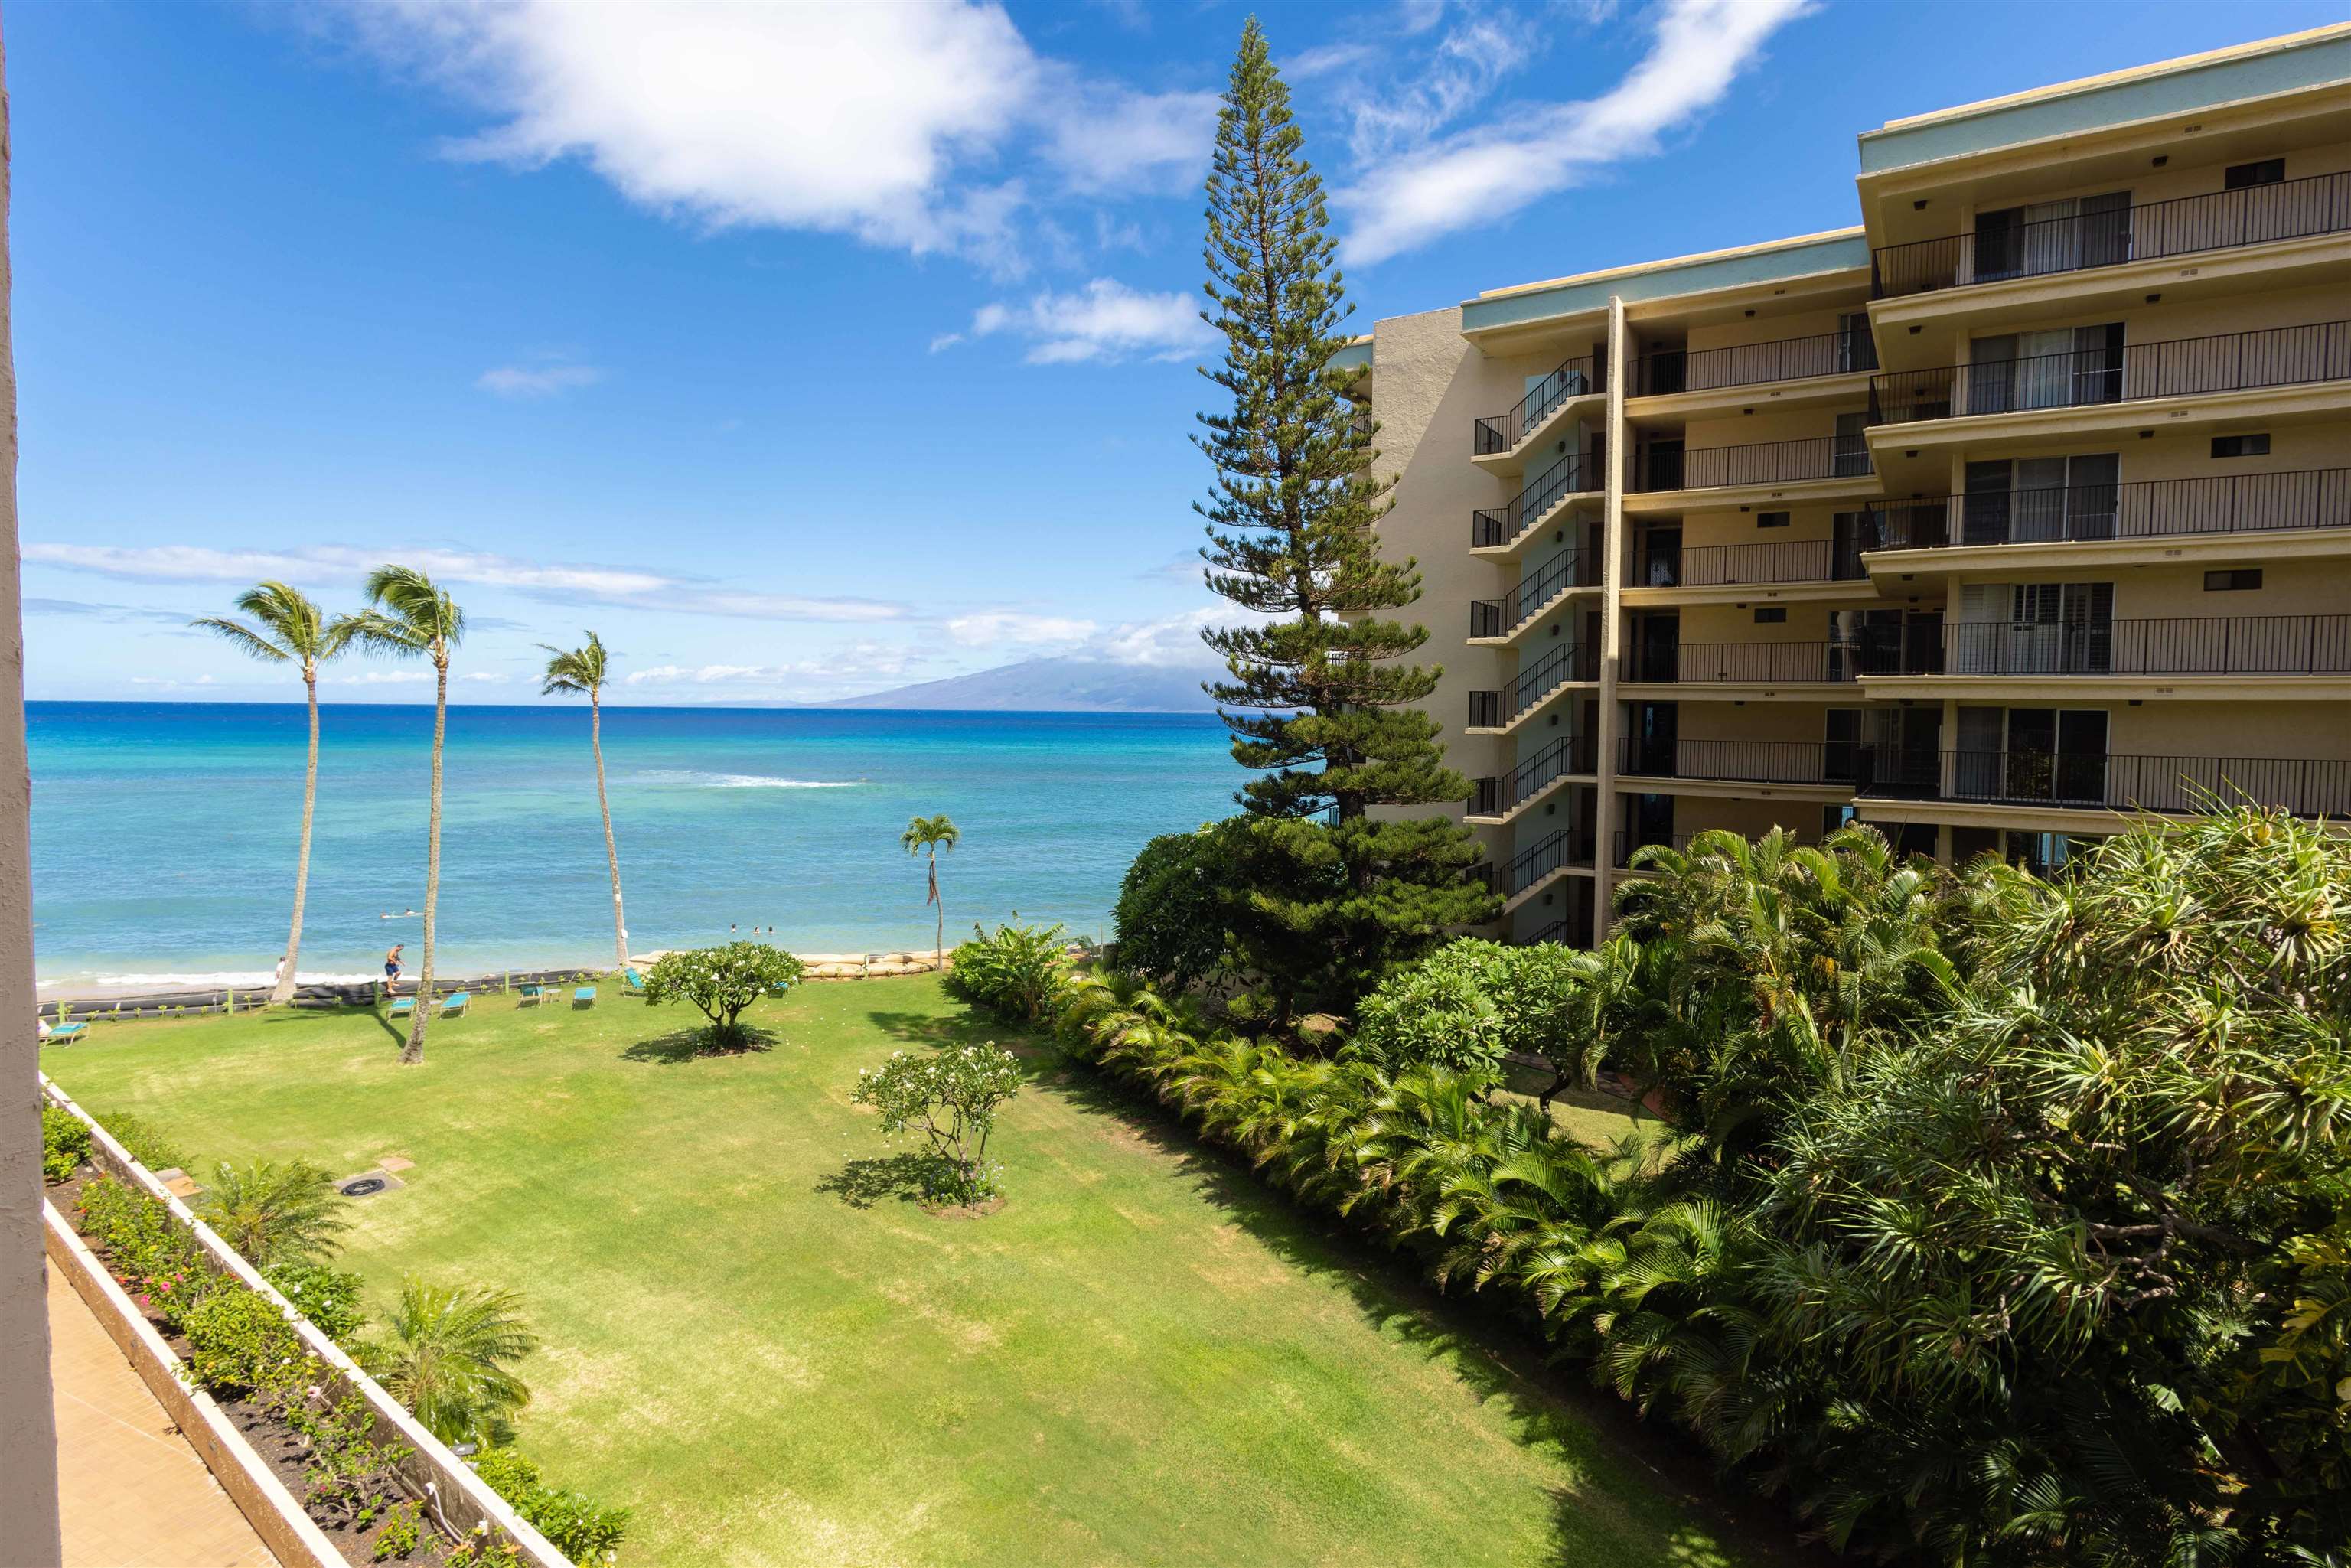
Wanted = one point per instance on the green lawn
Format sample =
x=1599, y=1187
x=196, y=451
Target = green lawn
x=776, y=1359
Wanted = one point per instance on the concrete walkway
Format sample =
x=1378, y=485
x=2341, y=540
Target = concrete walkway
x=135, y=1493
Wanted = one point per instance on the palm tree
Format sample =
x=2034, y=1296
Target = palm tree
x=274, y=1213
x=287, y=629
x=583, y=670
x=444, y=1356
x=933, y=834
x=413, y=616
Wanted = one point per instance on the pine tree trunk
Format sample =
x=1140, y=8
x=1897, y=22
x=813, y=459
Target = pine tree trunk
x=612, y=851
x=283, y=991
x=414, y=1052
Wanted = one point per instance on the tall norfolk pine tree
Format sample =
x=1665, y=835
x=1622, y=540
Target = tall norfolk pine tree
x=1320, y=698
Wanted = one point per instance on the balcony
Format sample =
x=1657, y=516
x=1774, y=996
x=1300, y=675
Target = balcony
x=1500, y=528
x=2130, y=372
x=1507, y=616
x=1739, y=566
x=2098, y=514
x=1499, y=795
x=1502, y=432
x=1741, y=664
x=1621, y=855
x=2218, y=220
x=1669, y=468
x=1834, y=763
x=2184, y=645
x=1670, y=371
x=1500, y=710
x=1564, y=849
x=2307, y=786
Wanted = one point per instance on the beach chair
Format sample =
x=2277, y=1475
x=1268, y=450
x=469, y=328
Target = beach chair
x=529, y=994
x=584, y=997
x=636, y=983
x=67, y=1033
x=454, y=1005
x=780, y=987
x=403, y=1006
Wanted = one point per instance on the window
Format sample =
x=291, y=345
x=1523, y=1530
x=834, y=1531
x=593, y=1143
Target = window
x=1771, y=519
x=2237, y=582
x=2241, y=446
x=1856, y=349
x=2052, y=237
x=1777, y=615
x=2268, y=171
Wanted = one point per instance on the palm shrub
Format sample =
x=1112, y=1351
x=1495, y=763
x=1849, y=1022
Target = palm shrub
x=446, y=1353
x=1013, y=973
x=274, y=1213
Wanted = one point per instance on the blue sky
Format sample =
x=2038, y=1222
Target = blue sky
x=804, y=352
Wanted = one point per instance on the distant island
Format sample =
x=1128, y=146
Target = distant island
x=1051, y=686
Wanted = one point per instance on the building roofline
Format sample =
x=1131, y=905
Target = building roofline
x=1668, y=264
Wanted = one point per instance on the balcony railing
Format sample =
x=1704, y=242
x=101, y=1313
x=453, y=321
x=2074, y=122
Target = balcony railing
x=1558, y=849
x=1502, y=432
x=1567, y=662
x=2146, y=510
x=1501, y=526
x=1573, y=931
x=2217, y=220
x=1742, y=761
x=1747, y=663
x=1762, y=463
x=2307, y=786
x=1752, y=364
x=1493, y=795
x=2175, y=367
x=2184, y=645
x=1723, y=566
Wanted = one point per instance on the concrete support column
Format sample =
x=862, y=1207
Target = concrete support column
x=28, y=1431
x=1612, y=631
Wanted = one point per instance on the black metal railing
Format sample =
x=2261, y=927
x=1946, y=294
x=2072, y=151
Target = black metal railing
x=1495, y=794
x=1573, y=379
x=1621, y=852
x=2151, y=508
x=1573, y=931
x=1773, y=560
x=1742, y=761
x=1669, y=371
x=1500, y=526
x=1489, y=528
x=1745, y=663
x=1557, y=849
x=2181, y=645
x=1567, y=662
x=2307, y=786
x=2175, y=367
x=2217, y=220
x=1569, y=568
x=1760, y=462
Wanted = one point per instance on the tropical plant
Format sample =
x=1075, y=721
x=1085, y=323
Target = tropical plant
x=237, y=1339
x=951, y=1097
x=583, y=1530
x=328, y=1297
x=287, y=628
x=446, y=1353
x=1011, y=973
x=413, y=618
x=64, y=1143
x=582, y=670
x=722, y=982
x=1170, y=921
x=930, y=835
x=274, y=1213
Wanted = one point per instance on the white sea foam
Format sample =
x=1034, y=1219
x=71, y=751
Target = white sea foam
x=740, y=780
x=198, y=980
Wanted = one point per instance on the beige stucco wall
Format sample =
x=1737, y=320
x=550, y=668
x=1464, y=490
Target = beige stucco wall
x=1756, y=721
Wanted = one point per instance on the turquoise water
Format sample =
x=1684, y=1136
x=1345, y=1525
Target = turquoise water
x=164, y=834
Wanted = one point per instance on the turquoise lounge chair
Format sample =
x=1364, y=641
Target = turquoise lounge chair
x=530, y=994
x=585, y=997
x=454, y=1004
x=780, y=987
x=636, y=983
x=403, y=1006
x=67, y=1033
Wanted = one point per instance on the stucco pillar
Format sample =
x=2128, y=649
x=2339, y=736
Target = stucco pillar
x=1612, y=633
x=28, y=1430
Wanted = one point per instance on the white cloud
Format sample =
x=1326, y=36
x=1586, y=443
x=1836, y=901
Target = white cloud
x=1105, y=321
x=1466, y=63
x=171, y=684
x=481, y=675
x=1479, y=177
x=558, y=581
x=1173, y=642
x=991, y=628
x=909, y=125
x=375, y=677
x=862, y=661
x=537, y=381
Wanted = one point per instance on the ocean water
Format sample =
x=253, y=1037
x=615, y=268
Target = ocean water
x=165, y=833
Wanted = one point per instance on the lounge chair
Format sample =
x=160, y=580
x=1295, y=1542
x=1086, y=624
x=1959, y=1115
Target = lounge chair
x=454, y=1004
x=403, y=1006
x=529, y=994
x=584, y=997
x=67, y=1033
x=780, y=987
x=636, y=983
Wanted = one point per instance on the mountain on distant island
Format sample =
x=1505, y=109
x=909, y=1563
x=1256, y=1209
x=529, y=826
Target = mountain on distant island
x=1052, y=686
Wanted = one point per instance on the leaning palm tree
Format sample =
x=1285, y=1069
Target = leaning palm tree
x=445, y=1355
x=274, y=1213
x=933, y=834
x=412, y=617
x=581, y=671
x=287, y=629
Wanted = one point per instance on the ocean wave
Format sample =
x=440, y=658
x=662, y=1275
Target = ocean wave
x=201, y=980
x=740, y=780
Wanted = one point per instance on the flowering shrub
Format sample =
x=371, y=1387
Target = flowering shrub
x=721, y=982
x=237, y=1339
x=328, y=1297
x=64, y=1143
x=951, y=1097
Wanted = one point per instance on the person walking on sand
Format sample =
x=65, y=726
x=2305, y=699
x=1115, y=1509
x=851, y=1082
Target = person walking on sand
x=391, y=966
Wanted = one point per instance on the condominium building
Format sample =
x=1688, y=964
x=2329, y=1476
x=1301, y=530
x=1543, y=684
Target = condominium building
x=2022, y=503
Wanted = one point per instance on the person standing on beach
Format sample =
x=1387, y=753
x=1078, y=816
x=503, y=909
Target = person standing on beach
x=391, y=966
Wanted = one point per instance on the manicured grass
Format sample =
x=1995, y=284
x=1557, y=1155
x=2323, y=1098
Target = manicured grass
x=756, y=1340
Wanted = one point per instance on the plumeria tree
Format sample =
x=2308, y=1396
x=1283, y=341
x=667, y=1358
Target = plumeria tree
x=950, y=1097
x=722, y=982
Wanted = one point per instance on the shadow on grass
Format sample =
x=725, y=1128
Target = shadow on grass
x=925, y=1029
x=861, y=1183
x=694, y=1045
